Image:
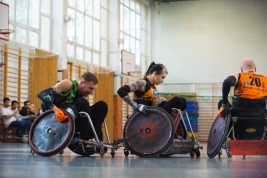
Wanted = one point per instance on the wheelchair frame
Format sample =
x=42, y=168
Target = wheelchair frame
x=82, y=143
x=98, y=143
x=178, y=146
x=230, y=144
x=190, y=145
x=236, y=146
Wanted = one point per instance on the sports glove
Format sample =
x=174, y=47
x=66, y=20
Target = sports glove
x=143, y=108
x=221, y=112
x=60, y=115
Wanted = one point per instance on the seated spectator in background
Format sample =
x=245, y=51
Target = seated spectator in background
x=14, y=107
x=32, y=108
x=22, y=126
x=26, y=110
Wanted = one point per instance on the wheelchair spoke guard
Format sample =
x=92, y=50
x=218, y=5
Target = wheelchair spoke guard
x=217, y=135
x=48, y=136
x=149, y=135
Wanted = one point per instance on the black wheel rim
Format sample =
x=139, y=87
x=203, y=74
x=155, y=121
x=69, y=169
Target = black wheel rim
x=217, y=135
x=149, y=136
x=47, y=136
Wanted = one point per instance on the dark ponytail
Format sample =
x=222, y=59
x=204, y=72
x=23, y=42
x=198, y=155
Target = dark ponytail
x=149, y=69
x=159, y=68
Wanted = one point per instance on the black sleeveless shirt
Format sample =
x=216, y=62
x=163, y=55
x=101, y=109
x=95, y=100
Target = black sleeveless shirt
x=64, y=100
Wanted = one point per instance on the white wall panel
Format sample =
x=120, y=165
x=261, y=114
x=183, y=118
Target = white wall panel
x=205, y=41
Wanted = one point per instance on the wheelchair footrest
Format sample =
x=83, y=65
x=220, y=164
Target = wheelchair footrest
x=248, y=147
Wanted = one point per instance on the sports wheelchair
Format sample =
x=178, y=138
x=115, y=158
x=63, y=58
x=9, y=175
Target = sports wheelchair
x=48, y=137
x=149, y=135
x=242, y=131
x=158, y=134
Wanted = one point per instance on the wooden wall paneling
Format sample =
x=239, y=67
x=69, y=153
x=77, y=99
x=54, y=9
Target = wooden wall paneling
x=31, y=82
x=44, y=75
x=110, y=94
x=117, y=117
x=70, y=70
x=65, y=74
x=104, y=92
x=19, y=77
x=79, y=72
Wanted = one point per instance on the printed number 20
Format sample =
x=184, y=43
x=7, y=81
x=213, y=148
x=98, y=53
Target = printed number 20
x=256, y=81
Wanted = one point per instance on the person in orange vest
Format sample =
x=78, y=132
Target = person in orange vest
x=247, y=85
x=145, y=88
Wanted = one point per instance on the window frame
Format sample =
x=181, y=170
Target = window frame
x=84, y=46
x=14, y=23
x=123, y=33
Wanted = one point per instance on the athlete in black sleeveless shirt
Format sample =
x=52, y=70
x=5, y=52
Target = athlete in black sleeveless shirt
x=67, y=93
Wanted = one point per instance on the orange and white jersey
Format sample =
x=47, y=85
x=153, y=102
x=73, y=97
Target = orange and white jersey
x=251, y=86
x=151, y=93
x=148, y=91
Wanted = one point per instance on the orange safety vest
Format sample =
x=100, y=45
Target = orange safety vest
x=151, y=93
x=251, y=86
x=148, y=92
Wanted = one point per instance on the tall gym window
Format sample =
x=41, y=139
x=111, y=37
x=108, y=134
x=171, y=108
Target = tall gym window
x=87, y=31
x=31, y=20
x=133, y=28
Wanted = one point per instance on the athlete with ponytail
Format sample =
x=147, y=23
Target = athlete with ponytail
x=146, y=88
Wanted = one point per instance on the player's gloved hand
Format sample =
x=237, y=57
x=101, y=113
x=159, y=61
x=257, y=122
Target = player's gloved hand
x=143, y=108
x=60, y=115
x=221, y=112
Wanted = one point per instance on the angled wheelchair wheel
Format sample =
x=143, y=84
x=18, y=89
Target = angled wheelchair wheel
x=48, y=136
x=149, y=135
x=217, y=135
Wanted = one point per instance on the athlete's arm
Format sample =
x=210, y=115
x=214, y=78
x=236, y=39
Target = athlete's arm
x=227, y=84
x=131, y=87
x=47, y=95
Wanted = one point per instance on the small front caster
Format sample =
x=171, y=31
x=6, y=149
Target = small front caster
x=126, y=152
x=102, y=152
x=220, y=153
x=112, y=153
x=32, y=152
x=192, y=154
x=198, y=153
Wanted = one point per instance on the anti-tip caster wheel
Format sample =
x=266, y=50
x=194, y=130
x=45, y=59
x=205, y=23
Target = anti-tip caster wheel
x=229, y=154
x=198, y=153
x=192, y=154
x=220, y=153
x=61, y=152
x=102, y=152
x=32, y=152
x=126, y=152
x=112, y=153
